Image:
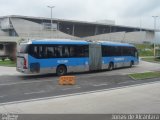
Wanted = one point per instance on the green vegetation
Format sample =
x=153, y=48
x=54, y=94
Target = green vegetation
x=145, y=49
x=7, y=63
x=146, y=75
x=152, y=59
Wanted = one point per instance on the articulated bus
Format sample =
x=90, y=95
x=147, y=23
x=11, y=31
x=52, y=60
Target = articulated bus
x=62, y=56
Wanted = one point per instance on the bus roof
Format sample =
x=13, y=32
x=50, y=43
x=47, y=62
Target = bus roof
x=59, y=41
x=81, y=42
x=115, y=43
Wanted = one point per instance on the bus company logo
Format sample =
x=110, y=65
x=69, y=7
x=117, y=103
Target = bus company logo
x=118, y=59
x=62, y=61
x=9, y=117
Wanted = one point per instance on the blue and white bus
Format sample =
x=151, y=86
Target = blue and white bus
x=63, y=56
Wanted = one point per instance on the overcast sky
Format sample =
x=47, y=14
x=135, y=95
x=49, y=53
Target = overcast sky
x=124, y=12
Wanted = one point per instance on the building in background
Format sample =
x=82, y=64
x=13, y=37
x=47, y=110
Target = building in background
x=14, y=28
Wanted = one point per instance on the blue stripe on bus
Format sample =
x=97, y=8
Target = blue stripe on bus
x=118, y=44
x=61, y=42
x=79, y=42
x=119, y=59
x=54, y=62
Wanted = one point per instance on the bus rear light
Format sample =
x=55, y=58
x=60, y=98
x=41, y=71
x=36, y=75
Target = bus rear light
x=24, y=64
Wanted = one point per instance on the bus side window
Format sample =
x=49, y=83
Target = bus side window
x=79, y=51
x=34, y=51
x=59, y=51
x=56, y=53
x=72, y=51
x=107, y=51
x=82, y=51
x=117, y=51
x=86, y=51
x=40, y=52
x=126, y=51
x=104, y=51
x=50, y=52
x=65, y=51
x=111, y=51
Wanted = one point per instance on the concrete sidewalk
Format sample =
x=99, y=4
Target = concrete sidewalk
x=136, y=99
x=8, y=71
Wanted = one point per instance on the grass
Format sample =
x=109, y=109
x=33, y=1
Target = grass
x=8, y=63
x=154, y=60
x=146, y=75
x=145, y=49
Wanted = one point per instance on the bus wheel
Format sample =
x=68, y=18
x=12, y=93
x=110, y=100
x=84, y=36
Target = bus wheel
x=110, y=67
x=61, y=70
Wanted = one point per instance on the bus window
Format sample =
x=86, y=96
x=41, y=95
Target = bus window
x=86, y=51
x=111, y=51
x=80, y=51
x=72, y=51
x=117, y=51
x=50, y=52
x=36, y=51
x=126, y=51
x=65, y=51
x=40, y=53
x=59, y=51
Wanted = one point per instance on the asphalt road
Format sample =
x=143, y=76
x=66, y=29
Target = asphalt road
x=140, y=99
x=135, y=99
x=19, y=87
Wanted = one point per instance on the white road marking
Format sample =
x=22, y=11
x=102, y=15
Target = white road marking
x=71, y=88
x=42, y=91
x=96, y=85
x=66, y=88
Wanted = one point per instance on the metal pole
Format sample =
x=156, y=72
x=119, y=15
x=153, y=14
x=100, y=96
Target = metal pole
x=155, y=18
x=140, y=24
x=73, y=30
x=51, y=7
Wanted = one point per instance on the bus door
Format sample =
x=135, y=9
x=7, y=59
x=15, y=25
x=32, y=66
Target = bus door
x=95, y=56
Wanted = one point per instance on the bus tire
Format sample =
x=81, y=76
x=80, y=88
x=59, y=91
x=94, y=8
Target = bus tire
x=111, y=66
x=131, y=64
x=61, y=70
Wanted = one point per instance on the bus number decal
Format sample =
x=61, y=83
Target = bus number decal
x=62, y=61
x=118, y=59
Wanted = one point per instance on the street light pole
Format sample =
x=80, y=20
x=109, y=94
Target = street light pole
x=51, y=7
x=155, y=18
